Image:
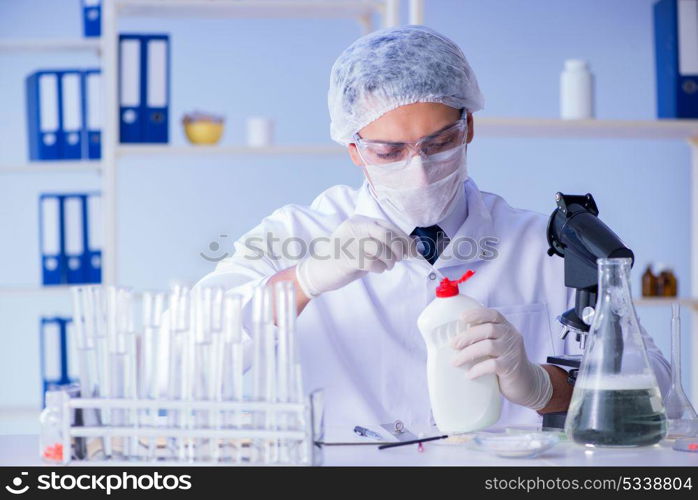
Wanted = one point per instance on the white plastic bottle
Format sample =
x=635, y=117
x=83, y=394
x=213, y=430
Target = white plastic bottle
x=458, y=403
x=576, y=91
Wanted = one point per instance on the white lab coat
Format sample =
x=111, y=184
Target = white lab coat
x=361, y=343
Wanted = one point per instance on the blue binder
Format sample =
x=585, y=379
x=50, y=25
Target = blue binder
x=70, y=238
x=130, y=108
x=44, y=115
x=53, y=267
x=676, y=54
x=94, y=238
x=71, y=98
x=144, y=91
x=91, y=18
x=92, y=114
x=157, y=98
x=75, y=237
x=54, y=353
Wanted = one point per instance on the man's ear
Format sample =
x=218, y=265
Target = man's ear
x=354, y=154
x=471, y=128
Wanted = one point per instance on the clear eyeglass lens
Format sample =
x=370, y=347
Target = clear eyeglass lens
x=385, y=152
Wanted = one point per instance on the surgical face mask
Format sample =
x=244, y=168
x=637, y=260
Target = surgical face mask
x=425, y=190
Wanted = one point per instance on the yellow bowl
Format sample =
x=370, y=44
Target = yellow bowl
x=203, y=132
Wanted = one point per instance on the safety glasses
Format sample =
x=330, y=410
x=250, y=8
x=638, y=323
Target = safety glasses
x=399, y=153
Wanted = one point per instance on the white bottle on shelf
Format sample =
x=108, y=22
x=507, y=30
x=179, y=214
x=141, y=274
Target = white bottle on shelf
x=576, y=91
x=260, y=131
x=458, y=403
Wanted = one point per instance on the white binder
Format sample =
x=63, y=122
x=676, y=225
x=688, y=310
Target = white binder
x=688, y=37
x=71, y=351
x=74, y=234
x=94, y=238
x=130, y=108
x=156, y=96
x=93, y=115
x=51, y=255
x=72, y=111
x=51, y=345
x=48, y=116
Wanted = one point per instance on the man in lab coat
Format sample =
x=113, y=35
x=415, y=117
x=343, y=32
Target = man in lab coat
x=365, y=262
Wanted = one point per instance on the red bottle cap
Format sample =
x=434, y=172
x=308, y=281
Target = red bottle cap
x=449, y=288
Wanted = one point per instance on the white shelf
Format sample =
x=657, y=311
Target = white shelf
x=484, y=127
x=35, y=290
x=291, y=149
x=50, y=45
x=580, y=129
x=666, y=301
x=217, y=9
x=54, y=167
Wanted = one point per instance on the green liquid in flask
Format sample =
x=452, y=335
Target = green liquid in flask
x=623, y=413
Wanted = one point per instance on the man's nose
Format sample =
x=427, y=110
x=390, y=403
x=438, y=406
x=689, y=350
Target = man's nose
x=418, y=169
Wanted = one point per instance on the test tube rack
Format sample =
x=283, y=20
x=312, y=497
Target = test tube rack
x=254, y=433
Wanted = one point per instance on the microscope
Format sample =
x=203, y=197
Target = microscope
x=576, y=234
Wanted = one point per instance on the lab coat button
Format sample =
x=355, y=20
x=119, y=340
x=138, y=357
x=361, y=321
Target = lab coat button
x=432, y=276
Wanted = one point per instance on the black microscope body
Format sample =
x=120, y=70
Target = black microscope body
x=576, y=234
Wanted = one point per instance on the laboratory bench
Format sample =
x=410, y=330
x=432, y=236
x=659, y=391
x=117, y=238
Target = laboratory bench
x=22, y=450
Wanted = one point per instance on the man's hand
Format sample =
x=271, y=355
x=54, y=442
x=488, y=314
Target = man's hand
x=359, y=245
x=487, y=334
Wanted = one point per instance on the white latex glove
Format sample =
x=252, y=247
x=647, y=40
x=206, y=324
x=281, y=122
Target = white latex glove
x=487, y=334
x=359, y=245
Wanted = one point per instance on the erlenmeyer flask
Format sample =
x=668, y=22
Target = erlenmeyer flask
x=616, y=400
x=681, y=417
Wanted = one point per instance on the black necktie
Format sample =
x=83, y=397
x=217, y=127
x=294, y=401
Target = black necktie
x=431, y=239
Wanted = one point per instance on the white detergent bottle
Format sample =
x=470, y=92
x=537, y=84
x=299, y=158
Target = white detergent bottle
x=458, y=403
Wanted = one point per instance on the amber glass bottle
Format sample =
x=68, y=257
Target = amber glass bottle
x=649, y=282
x=667, y=285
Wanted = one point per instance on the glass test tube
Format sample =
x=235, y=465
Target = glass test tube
x=149, y=362
x=118, y=309
x=180, y=369
x=262, y=322
x=95, y=310
x=87, y=369
x=215, y=380
x=285, y=317
x=233, y=365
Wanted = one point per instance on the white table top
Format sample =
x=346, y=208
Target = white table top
x=22, y=450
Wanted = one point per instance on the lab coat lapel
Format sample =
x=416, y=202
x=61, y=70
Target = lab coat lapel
x=465, y=246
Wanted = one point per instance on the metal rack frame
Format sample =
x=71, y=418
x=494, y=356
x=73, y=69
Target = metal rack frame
x=307, y=431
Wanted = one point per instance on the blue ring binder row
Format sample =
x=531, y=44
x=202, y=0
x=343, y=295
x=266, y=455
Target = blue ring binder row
x=57, y=354
x=676, y=53
x=144, y=88
x=64, y=106
x=91, y=18
x=70, y=230
x=64, y=114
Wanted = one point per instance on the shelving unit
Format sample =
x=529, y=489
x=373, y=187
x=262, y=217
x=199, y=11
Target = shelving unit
x=362, y=11
x=219, y=9
x=50, y=45
x=587, y=129
x=45, y=167
x=35, y=290
x=666, y=302
x=277, y=149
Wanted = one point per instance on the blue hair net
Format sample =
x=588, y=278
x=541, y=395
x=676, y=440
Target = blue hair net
x=394, y=67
